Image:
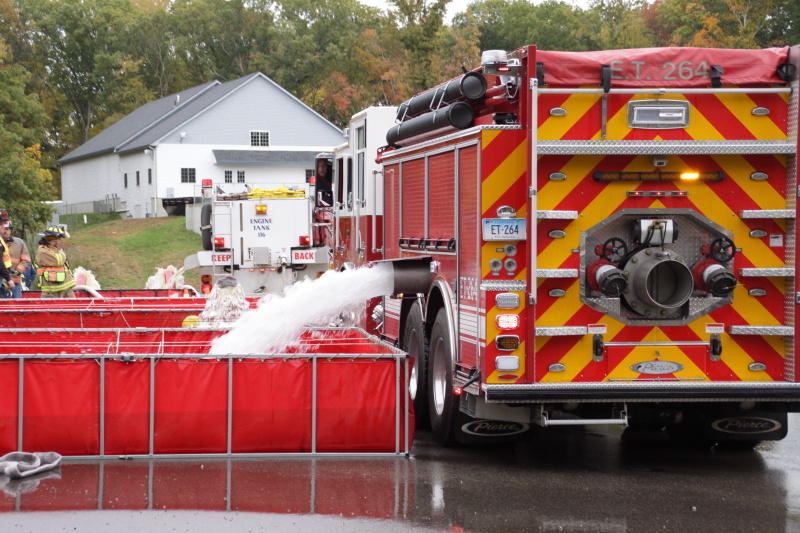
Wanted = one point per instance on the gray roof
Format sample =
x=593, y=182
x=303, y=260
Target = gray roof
x=140, y=121
x=152, y=121
x=263, y=156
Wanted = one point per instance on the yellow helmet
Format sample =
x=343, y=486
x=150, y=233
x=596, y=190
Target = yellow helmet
x=55, y=231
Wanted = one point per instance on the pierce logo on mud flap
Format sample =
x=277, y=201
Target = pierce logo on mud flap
x=657, y=368
x=493, y=428
x=746, y=425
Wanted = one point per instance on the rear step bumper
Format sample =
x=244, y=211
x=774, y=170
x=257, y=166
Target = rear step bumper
x=647, y=391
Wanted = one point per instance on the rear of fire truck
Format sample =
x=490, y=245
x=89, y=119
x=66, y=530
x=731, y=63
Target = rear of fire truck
x=263, y=237
x=613, y=242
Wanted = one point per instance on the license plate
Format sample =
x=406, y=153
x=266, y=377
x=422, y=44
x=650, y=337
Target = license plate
x=504, y=229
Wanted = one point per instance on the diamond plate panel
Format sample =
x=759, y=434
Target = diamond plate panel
x=557, y=273
x=767, y=213
x=762, y=330
x=665, y=147
x=766, y=272
x=557, y=215
x=503, y=285
x=559, y=331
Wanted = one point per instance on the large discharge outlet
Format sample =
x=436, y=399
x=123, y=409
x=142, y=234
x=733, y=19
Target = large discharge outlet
x=663, y=265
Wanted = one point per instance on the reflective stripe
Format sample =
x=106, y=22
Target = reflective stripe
x=6, y=254
x=48, y=287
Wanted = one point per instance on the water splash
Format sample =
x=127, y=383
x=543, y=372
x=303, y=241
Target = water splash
x=280, y=319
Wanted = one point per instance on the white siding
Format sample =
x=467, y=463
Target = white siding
x=258, y=105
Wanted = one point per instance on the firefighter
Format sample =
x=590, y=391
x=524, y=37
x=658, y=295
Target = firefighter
x=324, y=200
x=20, y=259
x=55, y=277
x=8, y=284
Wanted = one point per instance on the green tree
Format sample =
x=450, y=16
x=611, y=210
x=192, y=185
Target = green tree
x=618, y=24
x=328, y=57
x=783, y=28
x=25, y=184
x=153, y=41
x=81, y=46
x=222, y=39
x=420, y=23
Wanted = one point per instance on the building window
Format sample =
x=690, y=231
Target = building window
x=187, y=175
x=240, y=176
x=149, y=176
x=137, y=178
x=229, y=176
x=259, y=138
x=125, y=180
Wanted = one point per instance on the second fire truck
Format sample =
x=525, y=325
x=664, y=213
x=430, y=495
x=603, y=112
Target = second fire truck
x=611, y=237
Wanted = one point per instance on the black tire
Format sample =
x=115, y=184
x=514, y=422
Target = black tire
x=441, y=400
x=414, y=344
x=738, y=445
x=205, y=227
x=690, y=432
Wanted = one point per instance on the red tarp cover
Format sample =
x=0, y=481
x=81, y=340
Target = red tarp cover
x=272, y=398
x=127, y=408
x=663, y=67
x=9, y=406
x=61, y=405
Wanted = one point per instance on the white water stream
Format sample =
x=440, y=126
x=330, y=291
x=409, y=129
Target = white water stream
x=280, y=319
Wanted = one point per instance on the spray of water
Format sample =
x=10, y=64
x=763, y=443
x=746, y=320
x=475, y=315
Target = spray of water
x=280, y=319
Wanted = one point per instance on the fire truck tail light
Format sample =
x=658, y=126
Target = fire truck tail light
x=506, y=300
x=506, y=363
x=219, y=242
x=507, y=342
x=261, y=210
x=205, y=288
x=507, y=321
x=305, y=240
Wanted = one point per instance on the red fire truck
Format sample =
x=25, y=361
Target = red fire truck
x=611, y=237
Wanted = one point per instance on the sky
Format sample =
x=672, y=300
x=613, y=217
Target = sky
x=457, y=6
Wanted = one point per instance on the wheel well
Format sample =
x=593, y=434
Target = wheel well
x=430, y=306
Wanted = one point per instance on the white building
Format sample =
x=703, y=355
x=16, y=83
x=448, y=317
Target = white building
x=246, y=132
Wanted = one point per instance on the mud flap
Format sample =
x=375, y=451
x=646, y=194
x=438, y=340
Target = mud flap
x=735, y=425
x=468, y=430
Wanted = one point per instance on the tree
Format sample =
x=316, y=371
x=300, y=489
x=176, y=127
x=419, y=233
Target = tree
x=82, y=47
x=328, y=57
x=618, y=24
x=420, y=23
x=24, y=183
x=222, y=39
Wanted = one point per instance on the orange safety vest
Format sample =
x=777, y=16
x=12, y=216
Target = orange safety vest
x=6, y=254
x=55, y=278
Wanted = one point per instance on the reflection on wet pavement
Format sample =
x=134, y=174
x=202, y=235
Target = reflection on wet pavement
x=564, y=480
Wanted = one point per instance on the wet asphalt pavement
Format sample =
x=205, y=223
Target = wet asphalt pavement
x=565, y=480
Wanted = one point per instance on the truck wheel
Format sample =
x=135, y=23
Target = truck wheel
x=441, y=401
x=205, y=227
x=414, y=344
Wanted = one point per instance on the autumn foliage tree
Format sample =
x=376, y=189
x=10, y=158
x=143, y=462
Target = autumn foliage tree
x=89, y=63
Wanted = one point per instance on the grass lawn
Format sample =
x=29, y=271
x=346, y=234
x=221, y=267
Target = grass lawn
x=124, y=253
